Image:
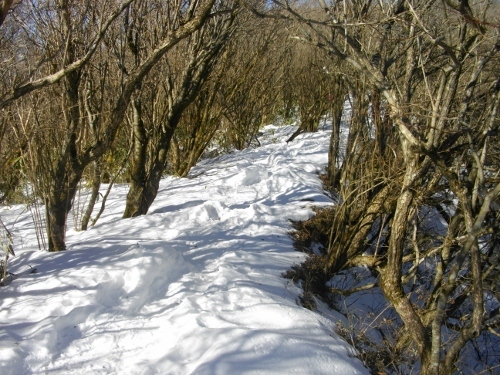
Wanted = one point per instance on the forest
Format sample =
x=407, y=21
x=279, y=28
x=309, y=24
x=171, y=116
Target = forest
x=103, y=92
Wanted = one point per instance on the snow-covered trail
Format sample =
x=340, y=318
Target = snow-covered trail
x=194, y=287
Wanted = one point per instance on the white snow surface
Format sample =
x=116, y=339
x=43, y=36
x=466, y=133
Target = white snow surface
x=193, y=287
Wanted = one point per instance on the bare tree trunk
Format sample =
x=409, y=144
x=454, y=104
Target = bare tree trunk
x=142, y=194
x=391, y=280
x=58, y=205
x=68, y=170
x=96, y=184
x=147, y=170
x=337, y=98
x=145, y=173
x=149, y=165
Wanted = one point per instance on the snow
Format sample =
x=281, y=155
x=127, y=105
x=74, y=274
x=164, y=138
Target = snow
x=194, y=287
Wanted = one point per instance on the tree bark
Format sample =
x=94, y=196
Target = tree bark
x=391, y=278
x=96, y=184
x=142, y=194
x=338, y=99
x=145, y=174
x=58, y=205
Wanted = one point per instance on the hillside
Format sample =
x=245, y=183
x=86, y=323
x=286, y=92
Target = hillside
x=194, y=287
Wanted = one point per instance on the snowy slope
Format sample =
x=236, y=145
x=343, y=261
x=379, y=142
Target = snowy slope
x=194, y=287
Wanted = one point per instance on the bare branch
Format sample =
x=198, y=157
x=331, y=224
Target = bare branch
x=26, y=88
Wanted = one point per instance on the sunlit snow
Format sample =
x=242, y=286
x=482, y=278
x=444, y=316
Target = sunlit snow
x=194, y=287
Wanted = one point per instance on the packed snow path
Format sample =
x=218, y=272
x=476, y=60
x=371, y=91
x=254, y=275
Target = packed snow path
x=194, y=287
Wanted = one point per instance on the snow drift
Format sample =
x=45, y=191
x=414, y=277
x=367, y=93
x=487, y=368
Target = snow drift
x=194, y=287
